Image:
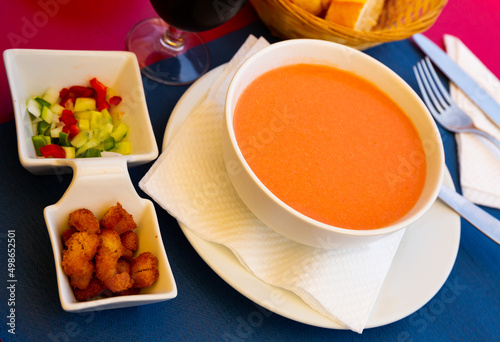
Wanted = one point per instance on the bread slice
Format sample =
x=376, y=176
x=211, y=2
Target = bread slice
x=312, y=6
x=360, y=15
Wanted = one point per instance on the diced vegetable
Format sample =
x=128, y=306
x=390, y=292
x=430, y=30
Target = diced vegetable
x=83, y=115
x=92, y=152
x=84, y=103
x=51, y=96
x=47, y=115
x=68, y=102
x=63, y=93
x=38, y=141
x=57, y=109
x=42, y=127
x=109, y=144
x=42, y=102
x=120, y=132
x=115, y=100
x=64, y=139
x=78, y=121
x=122, y=147
x=95, y=120
x=80, y=139
x=68, y=118
x=70, y=151
x=100, y=94
x=52, y=150
x=34, y=107
x=80, y=91
x=84, y=124
x=73, y=130
x=56, y=132
x=89, y=144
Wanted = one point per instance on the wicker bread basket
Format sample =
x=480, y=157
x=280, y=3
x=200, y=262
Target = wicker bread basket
x=399, y=20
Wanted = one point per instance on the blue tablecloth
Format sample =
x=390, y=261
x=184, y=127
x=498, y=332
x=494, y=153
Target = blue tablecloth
x=206, y=308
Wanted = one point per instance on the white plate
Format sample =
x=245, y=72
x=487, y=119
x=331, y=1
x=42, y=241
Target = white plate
x=421, y=266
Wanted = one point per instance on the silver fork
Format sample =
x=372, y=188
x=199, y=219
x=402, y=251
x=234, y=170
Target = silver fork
x=441, y=106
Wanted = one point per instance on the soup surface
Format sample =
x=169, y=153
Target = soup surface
x=331, y=145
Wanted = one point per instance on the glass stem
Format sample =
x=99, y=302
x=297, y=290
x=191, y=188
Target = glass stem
x=173, y=39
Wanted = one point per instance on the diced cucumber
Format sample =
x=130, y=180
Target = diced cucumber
x=42, y=127
x=84, y=103
x=56, y=132
x=91, y=152
x=108, y=128
x=64, y=139
x=47, y=115
x=89, y=144
x=70, y=151
x=104, y=135
x=34, y=127
x=57, y=108
x=87, y=115
x=122, y=147
x=34, y=107
x=80, y=139
x=38, y=141
x=47, y=139
x=109, y=144
x=95, y=120
x=106, y=121
x=120, y=132
x=42, y=102
x=51, y=95
x=101, y=134
x=106, y=115
x=84, y=124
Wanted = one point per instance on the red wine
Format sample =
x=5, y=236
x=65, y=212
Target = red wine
x=197, y=15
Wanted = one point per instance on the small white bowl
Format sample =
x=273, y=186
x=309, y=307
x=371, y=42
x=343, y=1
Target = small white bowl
x=274, y=212
x=97, y=185
x=31, y=72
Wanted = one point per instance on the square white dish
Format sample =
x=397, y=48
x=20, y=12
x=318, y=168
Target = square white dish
x=31, y=72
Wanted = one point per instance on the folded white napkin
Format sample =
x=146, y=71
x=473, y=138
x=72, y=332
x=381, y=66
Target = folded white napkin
x=478, y=158
x=190, y=181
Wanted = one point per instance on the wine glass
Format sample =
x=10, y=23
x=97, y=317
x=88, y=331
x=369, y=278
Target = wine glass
x=169, y=50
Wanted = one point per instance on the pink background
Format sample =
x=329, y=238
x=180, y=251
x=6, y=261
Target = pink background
x=104, y=24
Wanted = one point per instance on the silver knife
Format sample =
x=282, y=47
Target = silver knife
x=459, y=77
x=479, y=218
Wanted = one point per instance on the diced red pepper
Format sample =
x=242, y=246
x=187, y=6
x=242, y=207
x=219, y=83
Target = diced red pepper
x=67, y=112
x=115, y=100
x=68, y=119
x=100, y=96
x=63, y=93
x=81, y=91
x=98, y=86
x=73, y=130
x=70, y=98
x=52, y=150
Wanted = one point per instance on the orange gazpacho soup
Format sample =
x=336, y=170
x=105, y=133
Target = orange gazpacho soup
x=331, y=145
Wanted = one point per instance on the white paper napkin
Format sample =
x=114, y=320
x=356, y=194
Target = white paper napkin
x=190, y=181
x=479, y=159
